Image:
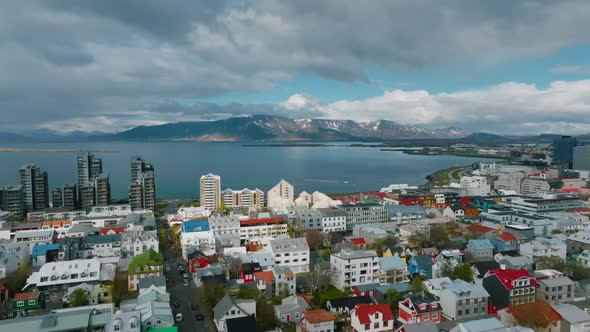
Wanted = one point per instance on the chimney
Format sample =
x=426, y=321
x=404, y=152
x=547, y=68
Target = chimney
x=502, y=266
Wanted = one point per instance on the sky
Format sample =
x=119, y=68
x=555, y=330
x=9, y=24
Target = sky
x=503, y=66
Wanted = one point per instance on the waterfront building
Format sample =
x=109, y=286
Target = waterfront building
x=35, y=190
x=142, y=190
x=210, y=190
x=88, y=168
x=64, y=197
x=363, y=213
x=12, y=200
x=474, y=186
x=281, y=195
x=242, y=198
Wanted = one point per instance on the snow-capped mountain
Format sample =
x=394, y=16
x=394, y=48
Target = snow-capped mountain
x=274, y=128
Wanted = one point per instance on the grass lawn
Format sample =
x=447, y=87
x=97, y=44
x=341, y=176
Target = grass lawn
x=456, y=174
x=331, y=293
x=161, y=205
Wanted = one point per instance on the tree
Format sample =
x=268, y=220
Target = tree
x=78, y=298
x=462, y=271
x=281, y=292
x=119, y=287
x=163, y=238
x=578, y=272
x=210, y=295
x=335, y=237
x=416, y=284
x=315, y=239
x=265, y=315
x=551, y=262
x=473, y=235
x=15, y=281
x=326, y=254
x=246, y=293
x=393, y=297
x=319, y=278
x=439, y=235
x=347, y=290
x=556, y=231
x=232, y=265
x=446, y=269
x=419, y=238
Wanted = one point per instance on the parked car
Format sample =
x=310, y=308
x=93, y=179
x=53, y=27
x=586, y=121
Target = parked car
x=199, y=316
x=178, y=318
x=187, y=284
x=168, y=269
x=194, y=307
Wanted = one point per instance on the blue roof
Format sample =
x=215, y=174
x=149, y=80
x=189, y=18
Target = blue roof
x=42, y=249
x=189, y=226
x=481, y=244
x=392, y=263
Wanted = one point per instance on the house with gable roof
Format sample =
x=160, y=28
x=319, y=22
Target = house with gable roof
x=508, y=287
x=481, y=249
x=421, y=265
x=372, y=318
x=420, y=307
x=229, y=308
x=291, y=309
x=316, y=321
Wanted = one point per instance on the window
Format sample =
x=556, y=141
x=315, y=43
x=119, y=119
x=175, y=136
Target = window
x=367, y=326
x=116, y=328
x=20, y=303
x=385, y=323
x=459, y=313
x=32, y=302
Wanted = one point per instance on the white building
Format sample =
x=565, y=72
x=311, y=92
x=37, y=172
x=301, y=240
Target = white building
x=461, y=300
x=317, y=200
x=354, y=268
x=541, y=205
x=196, y=235
x=229, y=308
x=372, y=318
x=584, y=258
x=185, y=213
x=474, y=186
x=281, y=195
x=210, y=191
x=265, y=227
x=109, y=210
x=510, y=181
x=137, y=242
x=242, y=198
x=220, y=224
x=574, y=319
x=293, y=253
x=66, y=273
x=333, y=220
x=35, y=237
x=543, y=247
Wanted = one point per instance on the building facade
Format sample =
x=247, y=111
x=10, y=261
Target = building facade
x=281, y=195
x=354, y=268
x=293, y=253
x=142, y=190
x=242, y=198
x=64, y=197
x=35, y=190
x=363, y=213
x=210, y=191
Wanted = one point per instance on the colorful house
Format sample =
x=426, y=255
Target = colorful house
x=420, y=307
x=148, y=264
x=371, y=318
x=25, y=304
x=421, y=265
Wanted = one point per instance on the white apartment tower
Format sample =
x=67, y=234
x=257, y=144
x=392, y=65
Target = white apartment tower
x=280, y=195
x=354, y=268
x=210, y=191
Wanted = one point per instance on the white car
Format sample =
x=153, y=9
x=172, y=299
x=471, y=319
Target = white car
x=178, y=318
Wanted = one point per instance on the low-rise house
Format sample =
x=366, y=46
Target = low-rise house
x=509, y=287
x=539, y=315
x=148, y=264
x=481, y=249
x=79, y=319
x=543, y=247
x=344, y=305
x=155, y=315
x=487, y=325
x=240, y=324
x=247, y=271
x=284, y=279
x=229, y=308
x=516, y=262
x=291, y=252
x=573, y=319
x=380, y=293
x=419, y=327
x=8, y=263
x=291, y=309
x=504, y=241
x=420, y=307
x=66, y=273
x=393, y=270
x=24, y=304
x=461, y=300
x=480, y=269
x=372, y=318
x=152, y=282
x=20, y=250
x=354, y=267
x=265, y=282
x=124, y=321
x=436, y=285
x=34, y=237
x=584, y=258
x=208, y=271
x=137, y=242
x=554, y=287
x=316, y=321
x=578, y=242
x=44, y=253
x=421, y=265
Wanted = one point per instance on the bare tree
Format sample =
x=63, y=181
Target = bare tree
x=231, y=265
x=315, y=239
x=319, y=277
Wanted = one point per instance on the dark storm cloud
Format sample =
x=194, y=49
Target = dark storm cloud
x=110, y=62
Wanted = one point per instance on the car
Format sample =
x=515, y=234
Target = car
x=194, y=307
x=168, y=269
x=199, y=316
x=178, y=318
x=300, y=289
x=186, y=284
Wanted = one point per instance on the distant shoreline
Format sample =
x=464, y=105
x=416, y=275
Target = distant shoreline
x=53, y=150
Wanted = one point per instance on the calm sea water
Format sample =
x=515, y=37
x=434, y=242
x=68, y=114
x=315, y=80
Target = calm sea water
x=179, y=165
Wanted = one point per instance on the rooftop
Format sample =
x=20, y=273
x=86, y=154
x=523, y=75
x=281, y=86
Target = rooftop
x=318, y=315
x=355, y=254
x=262, y=221
x=364, y=312
x=540, y=313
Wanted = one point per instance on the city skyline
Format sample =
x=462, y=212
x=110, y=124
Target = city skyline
x=503, y=68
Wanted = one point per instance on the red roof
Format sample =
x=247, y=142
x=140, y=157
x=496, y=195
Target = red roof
x=116, y=229
x=358, y=241
x=507, y=237
x=262, y=221
x=319, y=315
x=365, y=311
x=539, y=312
x=267, y=276
x=506, y=276
x=479, y=228
x=26, y=296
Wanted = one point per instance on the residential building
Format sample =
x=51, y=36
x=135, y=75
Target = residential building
x=35, y=237
x=574, y=319
x=96, y=192
x=403, y=213
x=9, y=263
x=353, y=268
x=248, y=271
x=554, y=286
x=393, y=270
x=222, y=224
x=12, y=199
x=127, y=321
x=578, y=242
x=543, y=247
x=291, y=309
x=508, y=287
x=503, y=241
x=363, y=213
x=66, y=273
x=436, y=285
x=142, y=190
x=264, y=281
x=293, y=253
x=474, y=186
x=582, y=158
x=481, y=249
x=319, y=320
x=333, y=220
x=242, y=198
x=461, y=300
x=148, y=264
x=421, y=265
x=64, y=197
x=306, y=218
x=284, y=279
x=263, y=227
x=537, y=187
x=584, y=258
x=511, y=181
x=89, y=168
x=345, y=305
x=281, y=195
x=229, y=308
x=372, y=318
x=197, y=235
x=540, y=315
x=420, y=307
x=61, y=227
x=35, y=190
x=24, y=304
x=136, y=243
x=563, y=150
x=210, y=189
x=542, y=205
x=419, y=327
x=487, y=325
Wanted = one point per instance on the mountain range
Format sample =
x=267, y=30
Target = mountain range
x=275, y=128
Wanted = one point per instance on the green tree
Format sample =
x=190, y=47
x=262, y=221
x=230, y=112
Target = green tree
x=419, y=238
x=463, y=272
x=315, y=239
x=248, y=293
x=416, y=284
x=439, y=235
x=446, y=269
x=78, y=298
x=162, y=238
x=119, y=287
x=326, y=254
x=210, y=295
x=265, y=315
x=347, y=290
x=15, y=281
x=393, y=297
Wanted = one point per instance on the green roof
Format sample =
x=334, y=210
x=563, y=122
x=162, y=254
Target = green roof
x=165, y=329
x=150, y=258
